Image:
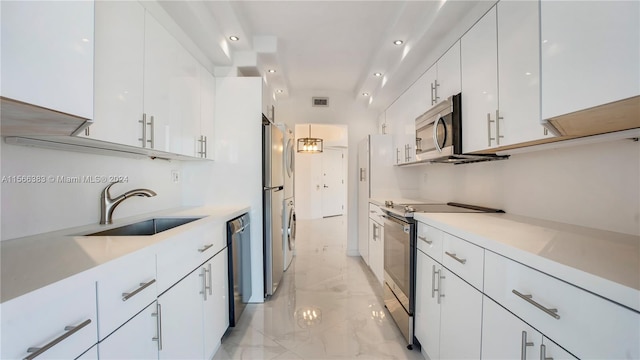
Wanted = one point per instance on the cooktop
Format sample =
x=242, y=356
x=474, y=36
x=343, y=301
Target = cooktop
x=407, y=210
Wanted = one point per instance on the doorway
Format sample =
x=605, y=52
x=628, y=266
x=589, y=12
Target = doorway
x=333, y=189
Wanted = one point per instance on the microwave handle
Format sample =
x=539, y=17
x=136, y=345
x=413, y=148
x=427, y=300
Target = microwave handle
x=435, y=134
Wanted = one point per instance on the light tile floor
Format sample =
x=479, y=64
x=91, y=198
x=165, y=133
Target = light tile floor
x=328, y=306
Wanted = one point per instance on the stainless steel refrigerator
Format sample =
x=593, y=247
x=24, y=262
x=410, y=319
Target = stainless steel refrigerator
x=272, y=200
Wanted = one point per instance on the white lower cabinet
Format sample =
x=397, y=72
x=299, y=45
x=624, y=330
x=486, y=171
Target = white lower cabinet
x=376, y=249
x=91, y=354
x=216, y=305
x=427, y=311
x=136, y=339
x=194, y=313
x=448, y=313
x=180, y=311
x=505, y=336
x=55, y=322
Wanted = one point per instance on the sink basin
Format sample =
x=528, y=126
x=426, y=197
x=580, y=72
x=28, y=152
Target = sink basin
x=146, y=227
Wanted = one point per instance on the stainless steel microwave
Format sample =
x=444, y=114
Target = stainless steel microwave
x=439, y=131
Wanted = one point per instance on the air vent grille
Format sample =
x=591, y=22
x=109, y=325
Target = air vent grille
x=320, y=101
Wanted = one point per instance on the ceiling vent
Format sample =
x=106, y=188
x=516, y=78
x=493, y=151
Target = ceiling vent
x=320, y=101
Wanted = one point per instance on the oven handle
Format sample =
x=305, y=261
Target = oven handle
x=399, y=222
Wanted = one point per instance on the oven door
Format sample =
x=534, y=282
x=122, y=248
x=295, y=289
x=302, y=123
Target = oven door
x=397, y=253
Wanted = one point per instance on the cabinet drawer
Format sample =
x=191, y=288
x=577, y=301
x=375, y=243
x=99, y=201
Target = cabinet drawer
x=464, y=259
x=42, y=317
x=581, y=322
x=375, y=213
x=430, y=241
x=186, y=251
x=127, y=286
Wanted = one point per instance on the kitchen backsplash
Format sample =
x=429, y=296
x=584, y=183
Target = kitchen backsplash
x=592, y=185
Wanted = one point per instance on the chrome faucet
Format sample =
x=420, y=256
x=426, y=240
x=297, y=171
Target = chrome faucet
x=107, y=204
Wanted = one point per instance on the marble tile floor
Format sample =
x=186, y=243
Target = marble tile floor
x=328, y=306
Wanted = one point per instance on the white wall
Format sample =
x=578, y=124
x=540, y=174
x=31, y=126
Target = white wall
x=29, y=209
x=344, y=109
x=596, y=185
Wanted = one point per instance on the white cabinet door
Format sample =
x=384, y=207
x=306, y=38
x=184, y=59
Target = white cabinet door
x=585, y=62
x=430, y=77
x=519, y=72
x=47, y=54
x=207, y=111
x=180, y=311
x=135, y=339
x=186, y=116
x=427, y=317
x=504, y=336
x=461, y=318
x=449, y=81
x=376, y=250
x=119, y=61
x=216, y=305
x=479, y=63
x=161, y=66
x=91, y=354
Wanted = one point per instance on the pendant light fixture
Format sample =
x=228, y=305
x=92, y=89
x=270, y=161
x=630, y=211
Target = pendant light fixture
x=309, y=145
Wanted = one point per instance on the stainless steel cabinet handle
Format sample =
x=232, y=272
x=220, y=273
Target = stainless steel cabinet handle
x=453, y=255
x=203, y=146
x=203, y=275
x=433, y=98
x=158, y=315
x=546, y=132
x=152, y=124
x=127, y=296
x=433, y=281
x=397, y=155
x=70, y=330
x=435, y=90
x=498, y=118
x=543, y=353
x=489, y=121
x=210, y=280
x=424, y=238
x=205, y=248
x=529, y=298
x=88, y=133
x=144, y=130
x=440, y=277
x=523, y=346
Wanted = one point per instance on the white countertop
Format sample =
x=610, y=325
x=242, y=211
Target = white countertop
x=602, y=262
x=32, y=262
x=403, y=201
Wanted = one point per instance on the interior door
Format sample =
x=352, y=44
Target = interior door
x=333, y=182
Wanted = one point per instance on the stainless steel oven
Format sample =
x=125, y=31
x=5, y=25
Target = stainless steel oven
x=399, y=262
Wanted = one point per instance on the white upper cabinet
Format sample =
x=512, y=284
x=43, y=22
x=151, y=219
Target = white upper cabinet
x=590, y=54
x=204, y=142
x=518, y=72
x=119, y=72
x=479, y=57
x=449, y=81
x=47, y=54
x=500, y=78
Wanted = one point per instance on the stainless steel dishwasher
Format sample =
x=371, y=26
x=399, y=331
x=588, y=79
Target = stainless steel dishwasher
x=239, y=245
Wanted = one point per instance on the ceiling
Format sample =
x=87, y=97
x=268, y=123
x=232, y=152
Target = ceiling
x=328, y=46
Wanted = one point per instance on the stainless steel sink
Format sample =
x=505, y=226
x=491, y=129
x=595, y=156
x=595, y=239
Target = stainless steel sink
x=146, y=227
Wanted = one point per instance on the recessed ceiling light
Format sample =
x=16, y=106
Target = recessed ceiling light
x=398, y=42
x=377, y=74
x=280, y=91
x=271, y=71
x=365, y=94
x=234, y=38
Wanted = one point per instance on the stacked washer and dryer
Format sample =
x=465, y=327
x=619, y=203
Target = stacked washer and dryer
x=289, y=213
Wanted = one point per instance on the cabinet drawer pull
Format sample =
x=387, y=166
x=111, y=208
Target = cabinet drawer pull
x=127, y=296
x=153, y=128
x=70, y=330
x=523, y=347
x=424, y=238
x=205, y=248
x=144, y=130
x=529, y=298
x=489, y=121
x=210, y=280
x=453, y=255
